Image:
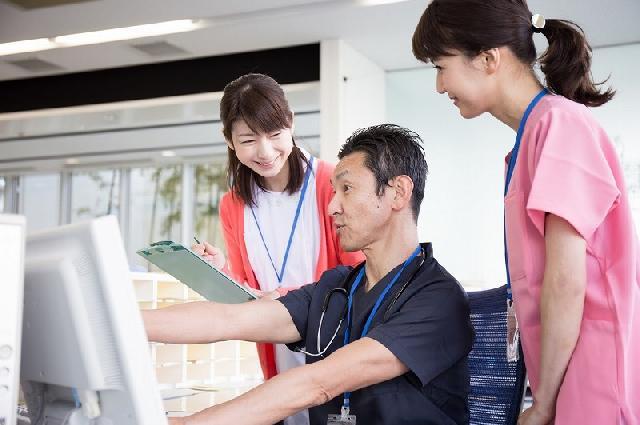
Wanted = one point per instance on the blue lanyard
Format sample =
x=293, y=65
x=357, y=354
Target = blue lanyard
x=280, y=275
x=376, y=306
x=510, y=168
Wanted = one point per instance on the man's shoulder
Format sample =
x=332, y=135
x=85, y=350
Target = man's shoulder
x=332, y=278
x=335, y=276
x=434, y=272
x=435, y=278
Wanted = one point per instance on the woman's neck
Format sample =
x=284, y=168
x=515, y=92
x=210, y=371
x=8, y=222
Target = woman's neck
x=516, y=94
x=279, y=182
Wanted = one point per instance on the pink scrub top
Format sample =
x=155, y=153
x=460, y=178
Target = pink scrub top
x=568, y=166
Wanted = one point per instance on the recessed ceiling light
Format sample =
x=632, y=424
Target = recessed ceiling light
x=127, y=33
x=72, y=161
x=168, y=154
x=102, y=36
x=377, y=2
x=26, y=46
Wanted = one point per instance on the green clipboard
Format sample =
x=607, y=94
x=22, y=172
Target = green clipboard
x=190, y=269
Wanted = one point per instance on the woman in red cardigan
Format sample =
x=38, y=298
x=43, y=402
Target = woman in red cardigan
x=276, y=205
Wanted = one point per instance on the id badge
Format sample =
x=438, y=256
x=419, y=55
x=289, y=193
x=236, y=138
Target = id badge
x=341, y=420
x=513, y=333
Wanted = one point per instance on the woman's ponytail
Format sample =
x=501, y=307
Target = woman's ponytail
x=567, y=64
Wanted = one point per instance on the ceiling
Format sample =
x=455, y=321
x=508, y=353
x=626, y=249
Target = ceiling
x=381, y=32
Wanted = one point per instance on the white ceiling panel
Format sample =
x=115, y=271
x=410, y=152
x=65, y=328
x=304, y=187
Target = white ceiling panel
x=383, y=33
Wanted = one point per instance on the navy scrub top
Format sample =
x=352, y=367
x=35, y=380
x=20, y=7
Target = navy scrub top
x=428, y=328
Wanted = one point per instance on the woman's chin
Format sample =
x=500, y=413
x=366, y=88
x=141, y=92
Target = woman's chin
x=469, y=113
x=268, y=171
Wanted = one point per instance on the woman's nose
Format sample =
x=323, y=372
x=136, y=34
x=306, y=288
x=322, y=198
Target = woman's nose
x=265, y=147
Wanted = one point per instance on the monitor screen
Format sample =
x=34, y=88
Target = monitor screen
x=85, y=355
x=12, y=230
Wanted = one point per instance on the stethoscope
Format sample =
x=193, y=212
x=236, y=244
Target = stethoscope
x=342, y=289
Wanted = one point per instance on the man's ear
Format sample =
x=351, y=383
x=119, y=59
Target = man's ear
x=403, y=187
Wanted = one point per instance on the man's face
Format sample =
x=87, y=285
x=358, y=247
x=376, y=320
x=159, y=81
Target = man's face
x=360, y=215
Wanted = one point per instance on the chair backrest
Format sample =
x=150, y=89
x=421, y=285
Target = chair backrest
x=497, y=386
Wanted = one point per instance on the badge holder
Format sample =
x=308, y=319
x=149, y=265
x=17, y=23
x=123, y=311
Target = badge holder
x=513, y=333
x=344, y=418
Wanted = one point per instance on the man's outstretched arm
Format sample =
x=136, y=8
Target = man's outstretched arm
x=360, y=364
x=263, y=320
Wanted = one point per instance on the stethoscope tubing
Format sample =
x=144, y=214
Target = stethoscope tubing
x=343, y=290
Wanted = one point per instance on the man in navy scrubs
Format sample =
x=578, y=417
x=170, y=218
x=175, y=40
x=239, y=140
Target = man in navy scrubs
x=395, y=333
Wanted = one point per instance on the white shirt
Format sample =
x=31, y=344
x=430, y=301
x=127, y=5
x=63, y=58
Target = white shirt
x=275, y=212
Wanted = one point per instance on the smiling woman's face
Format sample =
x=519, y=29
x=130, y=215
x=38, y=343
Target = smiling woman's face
x=465, y=81
x=264, y=153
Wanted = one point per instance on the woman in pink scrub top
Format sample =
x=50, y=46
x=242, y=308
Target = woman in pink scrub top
x=571, y=245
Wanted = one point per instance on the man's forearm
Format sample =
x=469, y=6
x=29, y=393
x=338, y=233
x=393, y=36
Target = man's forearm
x=360, y=364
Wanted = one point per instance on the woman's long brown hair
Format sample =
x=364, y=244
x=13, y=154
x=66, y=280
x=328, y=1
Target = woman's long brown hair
x=260, y=102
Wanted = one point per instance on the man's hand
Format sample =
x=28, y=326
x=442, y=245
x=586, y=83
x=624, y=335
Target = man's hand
x=272, y=295
x=177, y=421
x=209, y=253
x=535, y=416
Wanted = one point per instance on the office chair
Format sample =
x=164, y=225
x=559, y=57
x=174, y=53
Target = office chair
x=497, y=386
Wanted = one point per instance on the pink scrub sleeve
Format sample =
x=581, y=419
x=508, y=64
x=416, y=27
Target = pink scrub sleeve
x=572, y=179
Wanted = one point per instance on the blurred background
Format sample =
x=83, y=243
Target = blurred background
x=112, y=107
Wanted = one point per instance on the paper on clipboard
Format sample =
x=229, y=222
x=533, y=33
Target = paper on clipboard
x=193, y=271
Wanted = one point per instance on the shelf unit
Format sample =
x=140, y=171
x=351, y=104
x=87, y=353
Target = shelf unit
x=219, y=371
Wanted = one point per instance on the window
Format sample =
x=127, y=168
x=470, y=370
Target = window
x=155, y=209
x=2, y=194
x=40, y=200
x=209, y=186
x=94, y=194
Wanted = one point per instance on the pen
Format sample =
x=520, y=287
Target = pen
x=196, y=239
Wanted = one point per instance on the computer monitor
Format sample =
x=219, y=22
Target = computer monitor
x=85, y=355
x=12, y=230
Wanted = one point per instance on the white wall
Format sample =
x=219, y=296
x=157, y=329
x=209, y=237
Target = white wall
x=620, y=116
x=462, y=210
x=352, y=95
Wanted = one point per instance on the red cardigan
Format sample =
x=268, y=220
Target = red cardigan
x=329, y=256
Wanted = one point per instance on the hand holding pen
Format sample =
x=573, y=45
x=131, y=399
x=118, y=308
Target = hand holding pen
x=215, y=257
x=209, y=253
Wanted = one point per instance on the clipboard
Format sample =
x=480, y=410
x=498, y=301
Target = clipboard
x=190, y=269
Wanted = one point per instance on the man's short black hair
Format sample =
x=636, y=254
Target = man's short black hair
x=391, y=151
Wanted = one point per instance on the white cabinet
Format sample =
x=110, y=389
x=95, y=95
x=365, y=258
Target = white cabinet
x=218, y=372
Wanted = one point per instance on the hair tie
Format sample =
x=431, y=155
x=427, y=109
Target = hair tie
x=537, y=23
